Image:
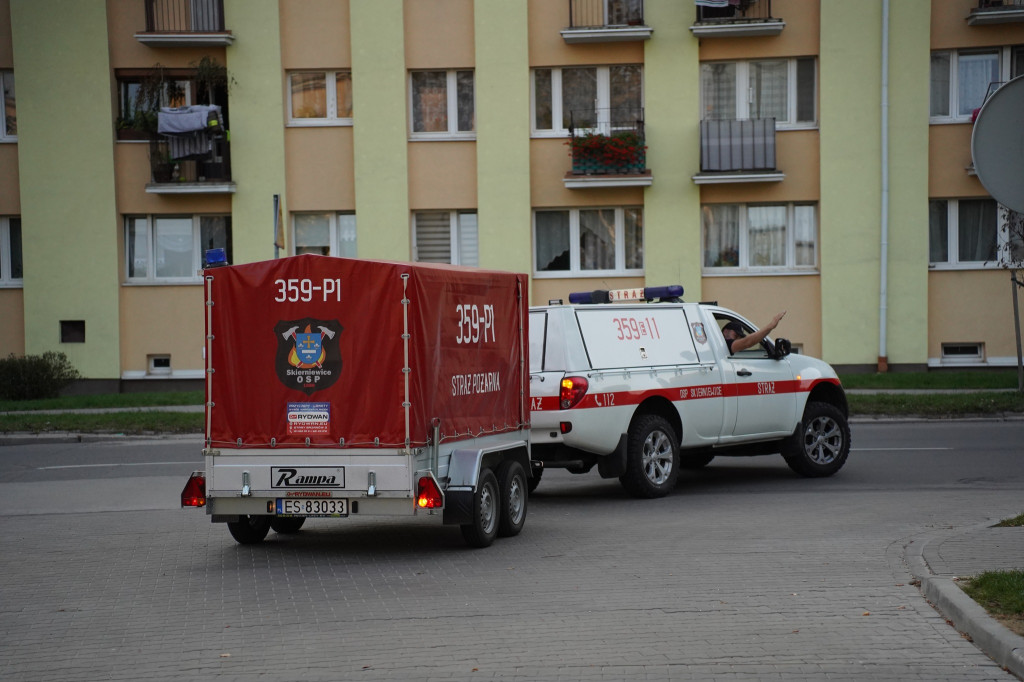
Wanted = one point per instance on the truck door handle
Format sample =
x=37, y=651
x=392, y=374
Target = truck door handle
x=744, y=373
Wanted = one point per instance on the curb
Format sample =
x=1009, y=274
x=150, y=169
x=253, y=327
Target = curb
x=997, y=642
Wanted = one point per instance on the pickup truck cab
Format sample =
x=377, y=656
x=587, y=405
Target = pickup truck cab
x=647, y=387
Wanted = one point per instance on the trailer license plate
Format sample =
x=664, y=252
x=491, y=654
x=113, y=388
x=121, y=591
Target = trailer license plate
x=331, y=507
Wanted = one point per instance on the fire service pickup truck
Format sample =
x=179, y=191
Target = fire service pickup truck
x=355, y=388
x=644, y=388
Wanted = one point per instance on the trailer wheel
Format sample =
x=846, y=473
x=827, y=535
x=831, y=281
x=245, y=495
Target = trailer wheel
x=287, y=526
x=480, y=532
x=513, y=488
x=249, y=530
x=535, y=479
x=652, y=458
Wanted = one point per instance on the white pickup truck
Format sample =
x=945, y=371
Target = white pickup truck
x=644, y=388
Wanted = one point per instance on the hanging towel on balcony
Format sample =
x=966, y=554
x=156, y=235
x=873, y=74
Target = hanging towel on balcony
x=190, y=131
x=713, y=3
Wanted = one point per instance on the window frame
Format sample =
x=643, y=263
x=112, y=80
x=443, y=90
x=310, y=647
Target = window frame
x=455, y=236
x=1005, y=55
x=7, y=76
x=150, y=278
x=744, y=267
x=575, y=270
x=7, y=279
x=334, y=228
x=953, y=261
x=743, y=89
x=604, y=96
x=451, y=107
x=332, y=118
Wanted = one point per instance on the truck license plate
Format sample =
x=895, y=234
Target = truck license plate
x=331, y=507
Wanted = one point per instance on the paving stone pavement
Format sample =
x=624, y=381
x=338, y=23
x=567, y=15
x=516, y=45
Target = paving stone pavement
x=748, y=585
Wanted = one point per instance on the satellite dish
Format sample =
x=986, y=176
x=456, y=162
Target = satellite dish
x=997, y=145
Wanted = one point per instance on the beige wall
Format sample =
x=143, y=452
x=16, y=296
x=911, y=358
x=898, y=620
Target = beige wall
x=6, y=51
x=442, y=175
x=549, y=162
x=760, y=298
x=949, y=155
x=164, y=320
x=315, y=34
x=548, y=48
x=318, y=163
x=439, y=34
x=545, y=290
x=950, y=29
x=799, y=38
x=971, y=306
x=797, y=156
x=12, y=322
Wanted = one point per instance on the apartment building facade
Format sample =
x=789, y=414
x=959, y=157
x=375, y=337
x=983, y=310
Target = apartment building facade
x=807, y=155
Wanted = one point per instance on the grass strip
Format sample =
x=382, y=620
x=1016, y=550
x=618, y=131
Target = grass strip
x=979, y=380
x=106, y=400
x=937, y=405
x=1001, y=593
x=127, y=423
x=1015, y=522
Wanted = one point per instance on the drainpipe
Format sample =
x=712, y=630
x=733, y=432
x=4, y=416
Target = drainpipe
x=883, y=289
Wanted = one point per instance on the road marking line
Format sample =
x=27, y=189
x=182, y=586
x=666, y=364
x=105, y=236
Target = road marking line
x=892, y=449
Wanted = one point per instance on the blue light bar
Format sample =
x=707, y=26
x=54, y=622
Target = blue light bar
x=215, y=258
x=673, y=292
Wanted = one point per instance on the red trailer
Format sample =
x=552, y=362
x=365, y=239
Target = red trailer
x=341, y=388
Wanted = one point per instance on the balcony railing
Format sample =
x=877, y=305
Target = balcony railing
x=185, y=23
x=731, y=146
x=607, y=141
x=996, y=12
x=195, y=173
x=737, y=18
x=595, y=21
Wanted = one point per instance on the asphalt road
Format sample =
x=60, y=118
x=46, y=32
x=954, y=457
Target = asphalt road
x=745, y=572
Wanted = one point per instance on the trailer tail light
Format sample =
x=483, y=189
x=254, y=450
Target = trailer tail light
x=428, y=495
x=194, y=493
x=573, y=390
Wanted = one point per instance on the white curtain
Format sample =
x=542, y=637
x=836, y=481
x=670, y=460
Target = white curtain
x=938, y=231
x=978, y=227
x=939, y=105
x=766, y=235
x=579, y=97
x=721, y=235
x=469, y=250
x=975, y=72
x=718, y=91
x=804, y=235
x=313, y=233
x=768, y=83
x=597, y=239
x=174, y=247
x=346, y=235
x=552, y=241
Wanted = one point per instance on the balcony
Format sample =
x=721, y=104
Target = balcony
x=203, y=173
x=606, y=21
x=736, y=18
x=607, y=149
x=737, y=151
x=990, y=12
x=185, y=23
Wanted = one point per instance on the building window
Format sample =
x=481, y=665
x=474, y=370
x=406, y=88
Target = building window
x=783, y=89
x=9, y=132
x=11, y=271
x=320, y=98
x=169, y=249
x=962, y=79
x=738, y=238
x=973, y=233
x=325, y=234
x=136, y=92
x=445, y=237
x=588, y=242
x=598, y=97
x=442, y=104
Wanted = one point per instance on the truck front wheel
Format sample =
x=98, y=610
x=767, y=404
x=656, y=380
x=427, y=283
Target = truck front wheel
x=821, y=444
x=652, y=458
x=480, y=532
x=513, y=487
x=249, y=530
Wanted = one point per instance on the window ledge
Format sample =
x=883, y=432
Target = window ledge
x=589, y=274
x=738, y=176
x=320, y=123
x=185, y=39
x=729, y=29
x=442, y=137
x=759, y=273
x=995, y=15
x=16, y=284
x=130, y=375
x=190, y=188
x=572, y=181
x=606, y=34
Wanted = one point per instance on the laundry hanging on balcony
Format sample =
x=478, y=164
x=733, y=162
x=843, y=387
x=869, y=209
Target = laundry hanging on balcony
x=716, y=3
x=190, y=131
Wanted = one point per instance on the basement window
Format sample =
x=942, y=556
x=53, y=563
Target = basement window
x=159, y=364
x=72, y=331
x=963, y=352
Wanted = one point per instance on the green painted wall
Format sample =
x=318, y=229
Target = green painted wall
x=256, y=111
x=66, y=150
x=909, y=77
x=672, y=123
x=380, y=134
x=850, y=105
x=503, y=134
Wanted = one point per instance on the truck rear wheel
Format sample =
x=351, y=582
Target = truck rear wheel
x=821, y=444
x=481, y=531
x=249, y=530
x=652, y=458
x=513, y=488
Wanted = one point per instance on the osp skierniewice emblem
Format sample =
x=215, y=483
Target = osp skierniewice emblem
x=308, y=353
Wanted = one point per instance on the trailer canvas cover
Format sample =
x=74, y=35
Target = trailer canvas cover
x=338, y=352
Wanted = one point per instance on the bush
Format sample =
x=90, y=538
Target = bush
x=32, y=377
